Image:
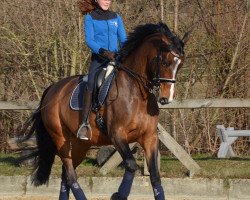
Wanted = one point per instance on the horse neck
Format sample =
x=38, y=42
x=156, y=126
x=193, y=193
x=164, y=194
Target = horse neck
x=137, y=61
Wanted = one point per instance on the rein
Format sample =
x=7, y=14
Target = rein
x=137, y=76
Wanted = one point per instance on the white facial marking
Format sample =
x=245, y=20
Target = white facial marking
x=177, y=61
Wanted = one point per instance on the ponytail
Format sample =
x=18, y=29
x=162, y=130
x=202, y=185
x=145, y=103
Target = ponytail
x=86, y=6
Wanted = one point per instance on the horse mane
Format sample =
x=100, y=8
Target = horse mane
x=136, y=38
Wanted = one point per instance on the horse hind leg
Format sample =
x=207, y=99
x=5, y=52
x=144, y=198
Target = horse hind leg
x=71, y=158
x=130, y=168
x=64, y=189
x=71, y=183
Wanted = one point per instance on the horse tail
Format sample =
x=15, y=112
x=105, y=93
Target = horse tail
x=46, y=149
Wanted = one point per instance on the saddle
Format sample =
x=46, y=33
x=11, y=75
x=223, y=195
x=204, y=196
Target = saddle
x=103, y=81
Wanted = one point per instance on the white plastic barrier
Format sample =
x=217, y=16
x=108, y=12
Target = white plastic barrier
x=228, y=137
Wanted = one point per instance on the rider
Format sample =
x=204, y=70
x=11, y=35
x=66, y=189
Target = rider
x=104, y=34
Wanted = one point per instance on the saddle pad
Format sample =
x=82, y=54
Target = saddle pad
x=76, y=100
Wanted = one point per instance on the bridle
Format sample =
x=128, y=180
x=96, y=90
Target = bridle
x=153, y=86
x=157, y=79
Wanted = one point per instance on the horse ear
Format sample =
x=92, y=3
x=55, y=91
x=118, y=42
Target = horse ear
x=186, y=37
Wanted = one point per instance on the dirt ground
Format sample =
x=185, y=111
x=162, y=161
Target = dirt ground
x=44, y=198
x=56, y=198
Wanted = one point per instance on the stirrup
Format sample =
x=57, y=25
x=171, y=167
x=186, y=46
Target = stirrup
x=84, y=137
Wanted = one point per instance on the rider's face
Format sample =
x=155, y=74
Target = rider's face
x=104, y=4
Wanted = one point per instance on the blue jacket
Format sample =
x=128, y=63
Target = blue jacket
x=104, y=29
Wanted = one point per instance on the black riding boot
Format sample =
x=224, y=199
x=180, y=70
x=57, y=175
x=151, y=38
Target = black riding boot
x=83, y=129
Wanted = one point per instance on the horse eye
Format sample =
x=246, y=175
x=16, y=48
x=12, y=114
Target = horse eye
x=165, y=63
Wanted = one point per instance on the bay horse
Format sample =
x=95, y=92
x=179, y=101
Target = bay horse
x=146, y=75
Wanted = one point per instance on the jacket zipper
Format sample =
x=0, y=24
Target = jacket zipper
x=108, y=33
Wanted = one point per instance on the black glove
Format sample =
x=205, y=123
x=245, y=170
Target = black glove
x=107, y=54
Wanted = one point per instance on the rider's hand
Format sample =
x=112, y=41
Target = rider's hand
x=107, y=54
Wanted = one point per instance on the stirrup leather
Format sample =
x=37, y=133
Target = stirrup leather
x=87, y=126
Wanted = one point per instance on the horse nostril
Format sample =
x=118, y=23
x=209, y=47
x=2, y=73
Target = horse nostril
x=163, y=101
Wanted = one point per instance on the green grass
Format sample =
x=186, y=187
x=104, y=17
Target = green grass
x=211, y=167
x=9, y=166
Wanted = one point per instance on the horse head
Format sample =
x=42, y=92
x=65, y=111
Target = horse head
x=155, y=54
x=165, y=60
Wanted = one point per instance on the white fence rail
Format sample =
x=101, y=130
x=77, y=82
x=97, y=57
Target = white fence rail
x=228, y=136
x=181, y=104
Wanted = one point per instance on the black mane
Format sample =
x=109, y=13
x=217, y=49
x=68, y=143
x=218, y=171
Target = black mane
x=136, y=37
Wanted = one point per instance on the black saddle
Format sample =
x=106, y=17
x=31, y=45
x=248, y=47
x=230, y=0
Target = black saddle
x=103, y=81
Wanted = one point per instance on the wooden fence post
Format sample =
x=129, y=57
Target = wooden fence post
x=178, y=151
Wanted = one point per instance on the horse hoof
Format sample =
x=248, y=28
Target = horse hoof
x=116, y=196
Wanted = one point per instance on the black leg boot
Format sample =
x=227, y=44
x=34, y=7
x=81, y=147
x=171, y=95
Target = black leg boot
x=83, y=129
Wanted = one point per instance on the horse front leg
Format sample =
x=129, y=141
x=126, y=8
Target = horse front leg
x=150, y=145
x=130, y=168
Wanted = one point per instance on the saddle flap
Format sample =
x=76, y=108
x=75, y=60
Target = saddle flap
x=100, y=77
x=103, y=73
x=105, y=87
